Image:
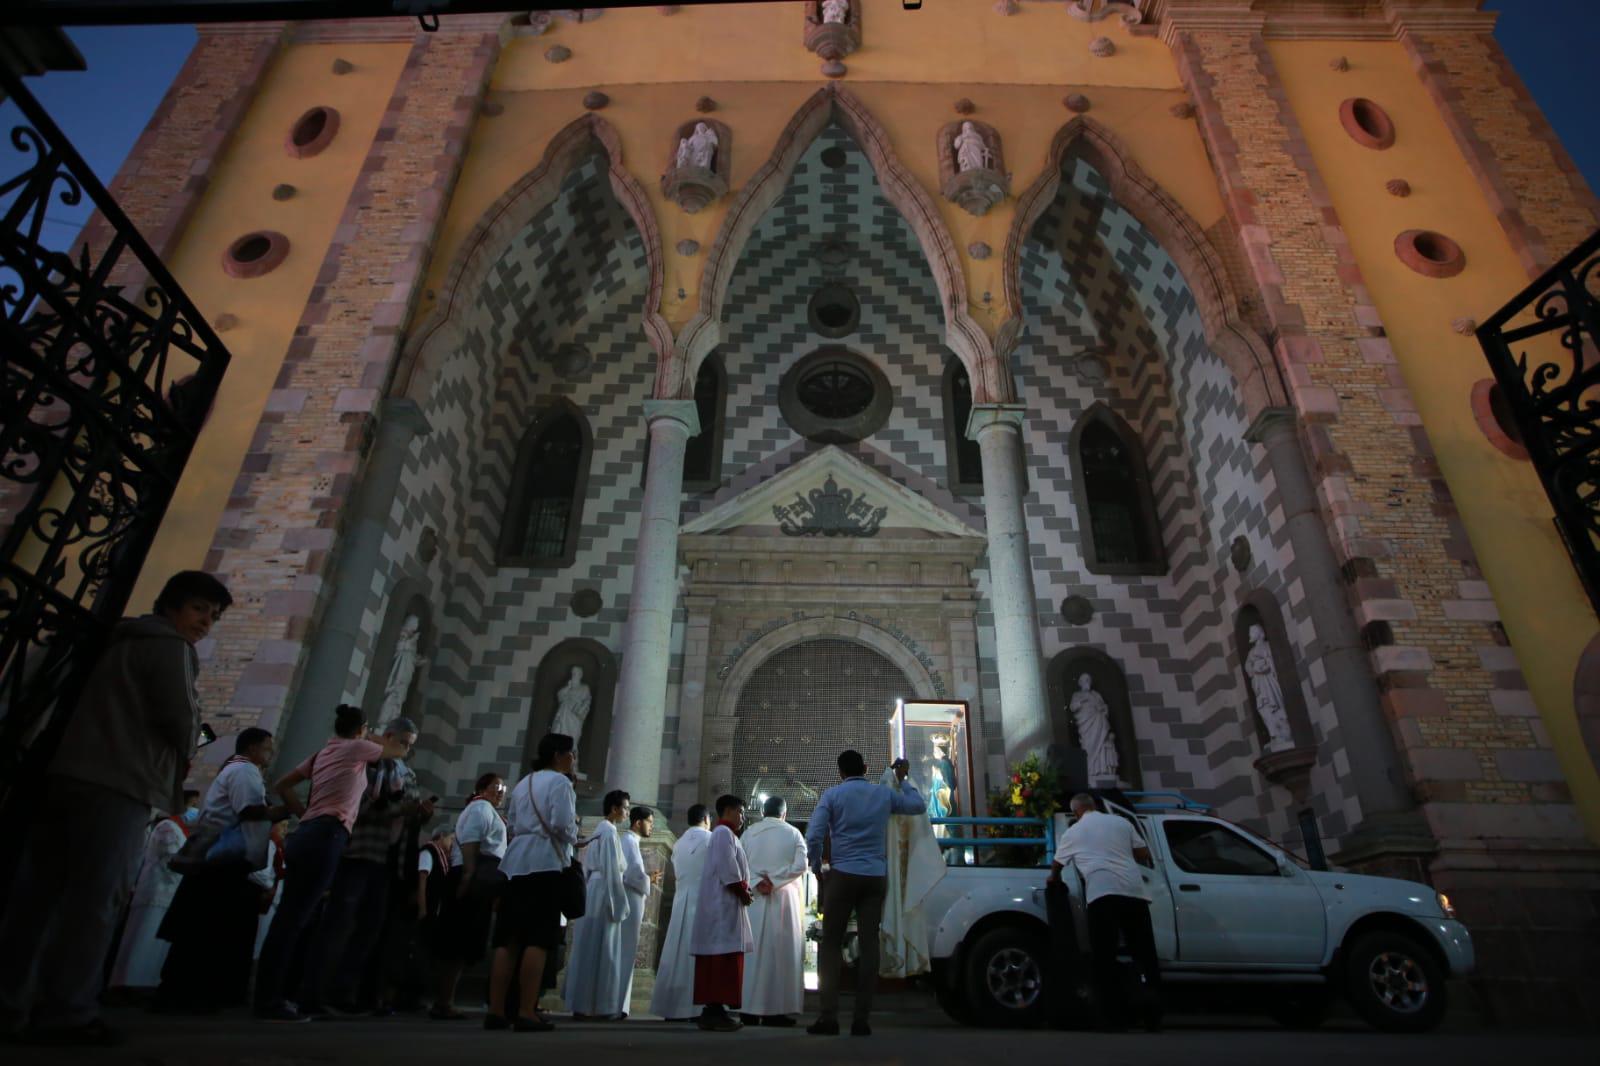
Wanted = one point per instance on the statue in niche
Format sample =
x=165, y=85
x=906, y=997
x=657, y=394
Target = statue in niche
x=1093, y=719
x=572, y=707
x=699, y=149
x=972, y=153
x=402, y=668
x=1268, y=693
x=835, y=12
x=832, y=31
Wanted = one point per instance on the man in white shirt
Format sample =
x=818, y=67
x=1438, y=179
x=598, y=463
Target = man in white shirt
x=638, y=881
x=1107, y=851
x=774, y=987
x=673, y=997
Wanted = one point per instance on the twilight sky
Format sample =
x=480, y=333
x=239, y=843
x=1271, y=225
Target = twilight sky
x=104, y=109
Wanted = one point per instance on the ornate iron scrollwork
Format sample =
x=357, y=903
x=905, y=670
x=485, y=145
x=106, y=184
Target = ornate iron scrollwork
x=1544, y=349
x=109, y=371
x=831, y=512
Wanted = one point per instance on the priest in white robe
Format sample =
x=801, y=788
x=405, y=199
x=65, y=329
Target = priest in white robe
x=638, y=881
x=774, y=983
x=673, y=997
x=597, y=975
x=915, y=865
x=721, y=927
x=141, y=954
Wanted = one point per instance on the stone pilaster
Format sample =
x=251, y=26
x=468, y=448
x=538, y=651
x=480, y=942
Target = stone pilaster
x=635, y=759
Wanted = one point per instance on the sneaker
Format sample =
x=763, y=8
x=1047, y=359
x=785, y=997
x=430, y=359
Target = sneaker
x=823, y=1027
x=860, y=1028
x=94, y=1033
x=280, y=1012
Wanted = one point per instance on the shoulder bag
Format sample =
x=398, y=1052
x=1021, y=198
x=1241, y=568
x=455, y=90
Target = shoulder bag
x=571, y=894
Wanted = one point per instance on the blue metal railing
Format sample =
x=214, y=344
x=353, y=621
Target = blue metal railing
x=1153, y=801
x=1047, y=841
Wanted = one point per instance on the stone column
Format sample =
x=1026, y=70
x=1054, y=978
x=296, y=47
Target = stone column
x=634, y=763
x=327, y=669
x=1375, y=773
x=1024, y=711
x=692, y=701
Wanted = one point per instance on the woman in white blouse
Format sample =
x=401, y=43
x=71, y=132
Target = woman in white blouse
x=467, y=909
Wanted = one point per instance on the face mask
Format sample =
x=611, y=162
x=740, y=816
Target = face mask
x=191, y=815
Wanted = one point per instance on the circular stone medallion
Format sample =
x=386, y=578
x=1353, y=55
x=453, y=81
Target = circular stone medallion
x=1077, y=610
x=586, y=603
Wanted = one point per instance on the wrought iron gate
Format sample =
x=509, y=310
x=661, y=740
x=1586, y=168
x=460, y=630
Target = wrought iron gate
x=109, y=371
x=1544, y=349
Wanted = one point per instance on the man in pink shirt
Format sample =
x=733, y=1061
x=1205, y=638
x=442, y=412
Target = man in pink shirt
x=338, y=776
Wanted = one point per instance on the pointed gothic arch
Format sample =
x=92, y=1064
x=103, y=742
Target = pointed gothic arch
x=1237, y=344
x=435, y=336
x=834, y=104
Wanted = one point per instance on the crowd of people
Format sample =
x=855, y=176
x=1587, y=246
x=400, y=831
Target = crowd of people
x=347, y=914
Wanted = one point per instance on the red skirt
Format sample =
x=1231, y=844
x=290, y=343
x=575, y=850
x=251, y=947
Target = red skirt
x=719, y=979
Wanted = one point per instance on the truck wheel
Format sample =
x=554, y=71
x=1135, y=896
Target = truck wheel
x=952, y=1003
x=1394, y=983
x=1005, y=978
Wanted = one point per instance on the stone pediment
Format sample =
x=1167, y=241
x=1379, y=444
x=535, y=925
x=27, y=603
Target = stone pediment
x=830, y=495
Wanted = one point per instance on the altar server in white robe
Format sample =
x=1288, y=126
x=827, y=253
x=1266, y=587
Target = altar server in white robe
x=774, y=986
x=638, y=881
x=597, y=974
x=673, y=997
x=915, y=865
x=721, y=927
x=141, y=953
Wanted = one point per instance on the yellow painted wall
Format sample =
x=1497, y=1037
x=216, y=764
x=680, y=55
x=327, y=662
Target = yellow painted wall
x=1505, y=511
x=238, y=200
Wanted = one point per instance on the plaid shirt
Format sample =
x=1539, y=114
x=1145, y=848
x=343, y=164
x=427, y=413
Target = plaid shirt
x=379, y=825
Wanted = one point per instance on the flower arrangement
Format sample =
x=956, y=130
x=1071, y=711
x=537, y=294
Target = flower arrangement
x=1032, y=791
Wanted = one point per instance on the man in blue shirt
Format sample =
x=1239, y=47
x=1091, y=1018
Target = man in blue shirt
x=853, y=816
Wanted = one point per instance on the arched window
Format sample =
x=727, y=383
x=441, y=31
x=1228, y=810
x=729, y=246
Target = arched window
x=545, y=507
x=963, y=460
x=702, y=459
x=1116, y=509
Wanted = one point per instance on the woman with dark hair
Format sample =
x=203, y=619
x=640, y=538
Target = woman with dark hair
x=463, y=927
x=338, y=776
x=543, y=813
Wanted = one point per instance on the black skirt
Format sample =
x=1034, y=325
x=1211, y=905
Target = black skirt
x=461, y=932
x=530, y=912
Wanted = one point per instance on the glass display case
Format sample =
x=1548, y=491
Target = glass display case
x=932, y=736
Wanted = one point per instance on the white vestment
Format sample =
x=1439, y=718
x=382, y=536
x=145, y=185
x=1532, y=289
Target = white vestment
x=597, y=982
x=915, y=866
x=674, y=992
x=721, y=926
x=773, y=980
x=142, y=953
x=637, y=882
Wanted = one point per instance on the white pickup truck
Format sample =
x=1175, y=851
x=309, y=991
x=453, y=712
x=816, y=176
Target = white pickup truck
x=1227, y=907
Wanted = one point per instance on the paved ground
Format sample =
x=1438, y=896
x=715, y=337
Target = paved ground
x=912, y=1037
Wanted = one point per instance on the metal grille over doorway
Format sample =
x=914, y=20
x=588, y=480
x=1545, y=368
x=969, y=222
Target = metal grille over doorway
x=805, y=705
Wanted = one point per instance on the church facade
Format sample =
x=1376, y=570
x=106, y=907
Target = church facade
x=717, y=378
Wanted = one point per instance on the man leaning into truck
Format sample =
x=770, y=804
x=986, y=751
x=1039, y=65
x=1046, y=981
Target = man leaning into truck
x=1105, y=848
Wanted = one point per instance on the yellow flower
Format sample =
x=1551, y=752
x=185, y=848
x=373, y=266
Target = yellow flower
x=1016, y=797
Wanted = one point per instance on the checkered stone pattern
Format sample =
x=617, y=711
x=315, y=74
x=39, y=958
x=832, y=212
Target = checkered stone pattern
x=576, y=276
x=1095, y=281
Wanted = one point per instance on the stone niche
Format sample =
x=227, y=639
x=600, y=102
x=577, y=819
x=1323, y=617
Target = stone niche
x=1112, y=685
x=600, y=674
x=832, y=41
x=687, y=182
x=1291, y=767
x=408, y=599
x=982, y=185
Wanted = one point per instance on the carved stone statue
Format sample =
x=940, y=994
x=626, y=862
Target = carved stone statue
x=572, y=706
x=1093, y=719
x=971, y=151
x=699, y=149
x=835, y=11
x=402, y=668
x=1263, y=674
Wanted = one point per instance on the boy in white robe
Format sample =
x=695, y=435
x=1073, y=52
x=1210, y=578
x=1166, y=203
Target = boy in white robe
x=638, y=881
x=774, y=986
x=721, y=927
x=596, y=983
x=141, y=953
x=673, y=997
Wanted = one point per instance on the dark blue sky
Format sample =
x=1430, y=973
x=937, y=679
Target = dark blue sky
x=1550, y=42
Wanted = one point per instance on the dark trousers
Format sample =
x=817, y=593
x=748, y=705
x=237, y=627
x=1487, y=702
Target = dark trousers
x=211, y=925
x=843, y=895
x=76, y=870
x=311, y=859
x=1123, y=918
x=348, y=934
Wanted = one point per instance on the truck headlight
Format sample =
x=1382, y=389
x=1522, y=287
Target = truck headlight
x=1445, y=905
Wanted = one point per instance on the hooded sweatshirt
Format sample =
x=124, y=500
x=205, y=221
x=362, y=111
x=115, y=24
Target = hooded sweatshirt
x=136, y=723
